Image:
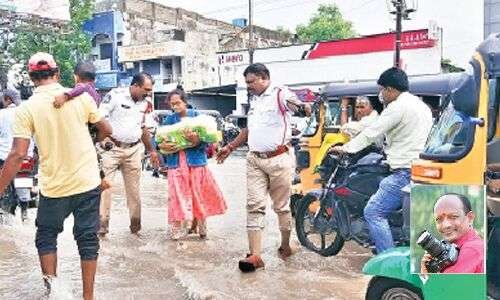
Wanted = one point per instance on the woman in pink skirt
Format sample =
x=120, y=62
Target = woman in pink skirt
x=193, y=192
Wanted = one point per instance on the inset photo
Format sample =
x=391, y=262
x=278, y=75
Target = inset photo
x=447, y=229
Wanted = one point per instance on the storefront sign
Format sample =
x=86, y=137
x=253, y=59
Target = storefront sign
x=232, y=58
x=142, y=52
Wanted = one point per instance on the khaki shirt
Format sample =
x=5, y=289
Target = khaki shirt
x=68, y=159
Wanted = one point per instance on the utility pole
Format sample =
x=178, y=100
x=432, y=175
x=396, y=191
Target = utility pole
x=401, y=11
x=250, y=31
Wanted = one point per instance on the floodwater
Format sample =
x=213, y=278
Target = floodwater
x=150, y=266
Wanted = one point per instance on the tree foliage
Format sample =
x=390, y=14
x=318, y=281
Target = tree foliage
x=67, y=45
x=326, y=24
x=448, y=67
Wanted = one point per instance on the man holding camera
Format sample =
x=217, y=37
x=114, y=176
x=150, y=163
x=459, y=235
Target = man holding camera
x=454, y=218
x=270, y=162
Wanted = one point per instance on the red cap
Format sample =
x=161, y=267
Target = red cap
x=41, y=61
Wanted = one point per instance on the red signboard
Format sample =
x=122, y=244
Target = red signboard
x=374, y=43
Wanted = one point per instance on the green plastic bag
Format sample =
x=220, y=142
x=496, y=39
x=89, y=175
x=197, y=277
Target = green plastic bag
x=204, y=125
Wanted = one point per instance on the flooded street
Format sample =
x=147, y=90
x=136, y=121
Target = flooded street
x=150, y=266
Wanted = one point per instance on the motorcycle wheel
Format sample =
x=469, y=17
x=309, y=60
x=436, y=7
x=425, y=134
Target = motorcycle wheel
x=384, y=288
x=294, y=202
x=324, y=244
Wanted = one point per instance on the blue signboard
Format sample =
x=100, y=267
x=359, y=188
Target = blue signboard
x=105, y=81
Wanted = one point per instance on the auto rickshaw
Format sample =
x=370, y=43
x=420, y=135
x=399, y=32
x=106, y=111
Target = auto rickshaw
x=463, y=148
x=323, y=130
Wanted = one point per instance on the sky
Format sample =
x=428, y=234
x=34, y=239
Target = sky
x=461, y=20
x=46, y=8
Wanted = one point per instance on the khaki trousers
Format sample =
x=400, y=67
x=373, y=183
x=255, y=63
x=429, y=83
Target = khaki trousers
x=128, y=161
x=269, y=177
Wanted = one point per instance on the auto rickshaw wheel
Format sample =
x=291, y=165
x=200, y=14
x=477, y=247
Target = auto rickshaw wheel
x=385, y=288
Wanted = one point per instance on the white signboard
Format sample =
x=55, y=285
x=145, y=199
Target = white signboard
x=150, y=51
x=102, y=65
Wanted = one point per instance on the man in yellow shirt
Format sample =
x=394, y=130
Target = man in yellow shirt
x=69, y=174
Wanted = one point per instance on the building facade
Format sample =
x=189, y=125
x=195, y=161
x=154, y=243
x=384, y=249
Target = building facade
x=176, y=46
x=491, y=17
x=314, y=65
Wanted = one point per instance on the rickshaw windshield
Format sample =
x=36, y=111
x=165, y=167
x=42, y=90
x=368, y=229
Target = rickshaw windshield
x=449, y=135
x=332, y=115
x=331, y=118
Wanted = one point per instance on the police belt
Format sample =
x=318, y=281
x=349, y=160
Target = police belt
x=280, y=150
x=124, y=145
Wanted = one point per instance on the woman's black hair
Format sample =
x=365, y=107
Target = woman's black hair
x=178, y=92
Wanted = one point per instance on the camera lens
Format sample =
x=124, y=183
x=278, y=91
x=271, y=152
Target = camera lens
x=430, y=244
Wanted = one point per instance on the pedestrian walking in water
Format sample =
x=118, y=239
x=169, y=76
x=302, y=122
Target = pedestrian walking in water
x=126, y=109
x=270, y=162
x=69, y=174
x=193, y=193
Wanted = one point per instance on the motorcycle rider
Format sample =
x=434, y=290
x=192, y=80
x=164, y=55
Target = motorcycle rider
x=11, y=99
x=405, y=122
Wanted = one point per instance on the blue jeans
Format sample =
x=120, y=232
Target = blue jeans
x=50, y=220
x=387, y=199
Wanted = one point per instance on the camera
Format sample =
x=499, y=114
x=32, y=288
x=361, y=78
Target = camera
x=444, y=253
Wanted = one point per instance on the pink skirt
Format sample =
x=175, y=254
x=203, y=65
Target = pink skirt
x=192, y=193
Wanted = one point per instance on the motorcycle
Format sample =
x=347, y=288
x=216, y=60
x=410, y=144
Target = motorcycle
x=230, y=132
x=22, y=191
x=328, y=217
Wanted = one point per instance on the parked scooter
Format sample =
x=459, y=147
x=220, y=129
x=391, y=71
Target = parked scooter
x=230, y=132
x=326, y=218
x=26, y=184
x=22, y=192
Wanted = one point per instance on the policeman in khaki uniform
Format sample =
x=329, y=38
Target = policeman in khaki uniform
x=126, y=109
x=270, y=162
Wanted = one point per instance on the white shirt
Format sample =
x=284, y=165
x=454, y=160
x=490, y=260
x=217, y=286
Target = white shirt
x=6, y=122
x=353, y=128
x=406, y=123
x=267, y=126
x=125, y=115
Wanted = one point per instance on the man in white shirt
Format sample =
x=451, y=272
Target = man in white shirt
x=364, y=116
x=405, y=122
x=126, y=108
x=10, y=100
x=270, y=161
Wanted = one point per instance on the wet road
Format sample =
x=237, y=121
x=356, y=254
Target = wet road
x=150, y=266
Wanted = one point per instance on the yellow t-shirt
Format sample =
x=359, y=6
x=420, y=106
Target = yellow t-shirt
x=68, y=159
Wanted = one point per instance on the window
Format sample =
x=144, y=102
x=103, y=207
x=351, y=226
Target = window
x=450, y=138
x=106, y=50
x=151, y=66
